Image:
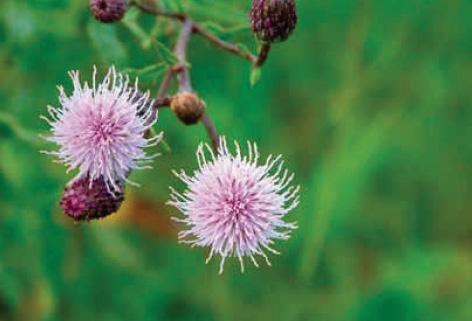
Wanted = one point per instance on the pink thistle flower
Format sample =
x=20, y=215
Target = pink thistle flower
x=101, y=129
x=235, y=206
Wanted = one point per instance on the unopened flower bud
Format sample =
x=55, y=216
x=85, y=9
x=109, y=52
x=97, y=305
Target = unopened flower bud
x=82, y=201
x=273, y=20
x=108, y=10
x=188, y=107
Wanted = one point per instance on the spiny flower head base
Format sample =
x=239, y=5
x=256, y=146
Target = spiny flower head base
x=101, y=130
x=108, y=10
x=235, y=206
x=84, y=200
x=273, y=20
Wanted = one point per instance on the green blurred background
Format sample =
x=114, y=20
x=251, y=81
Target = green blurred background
x=370, y=104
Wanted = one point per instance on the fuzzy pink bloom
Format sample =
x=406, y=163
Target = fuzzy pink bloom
x=235, y=206
x=101, y=129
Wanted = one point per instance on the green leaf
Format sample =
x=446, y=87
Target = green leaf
x=165, y=53
x=222, y=31
x=150, y=72
x=255, y=76
x=243, y=48
x=172, y=5
x=132, y=15
x=132, y=24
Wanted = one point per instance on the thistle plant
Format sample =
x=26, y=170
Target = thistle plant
x=232, y=204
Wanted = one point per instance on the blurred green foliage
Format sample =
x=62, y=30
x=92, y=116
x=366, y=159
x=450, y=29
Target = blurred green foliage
x=370, y=104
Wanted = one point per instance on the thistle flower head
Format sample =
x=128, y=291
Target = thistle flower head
x=235, y=206
x=108, y=10
x=273, y=20
x=100, y=130
x=84, y=201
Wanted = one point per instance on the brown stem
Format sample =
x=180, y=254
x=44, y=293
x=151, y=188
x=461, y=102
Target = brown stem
x=181, y=69
x=161, y=99
x=183, y=75
x=180, y=51
x=162, y=102
x=232, y=48
x=197, y=28
x=211, y=130
x=165, y=84
x=263, y=54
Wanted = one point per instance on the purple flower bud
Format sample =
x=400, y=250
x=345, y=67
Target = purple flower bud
x=273, y=20
x=86, y=200
x=108, y=10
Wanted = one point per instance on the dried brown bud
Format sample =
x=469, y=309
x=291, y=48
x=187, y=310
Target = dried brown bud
x=188, y=107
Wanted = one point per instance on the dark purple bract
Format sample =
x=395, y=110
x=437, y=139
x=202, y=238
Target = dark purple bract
x=83, y=203
x=108, y=10
x=273, y=20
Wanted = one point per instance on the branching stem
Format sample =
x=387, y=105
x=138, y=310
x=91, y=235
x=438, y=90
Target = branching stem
x=182, y=72
x=199, y=29
x=180, y=52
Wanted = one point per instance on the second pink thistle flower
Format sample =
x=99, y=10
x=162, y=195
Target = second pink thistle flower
x=235, y=206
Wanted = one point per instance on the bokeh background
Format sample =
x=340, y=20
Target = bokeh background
x=370, y=104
